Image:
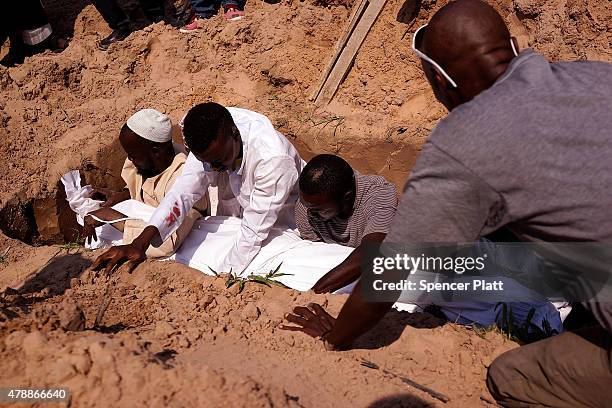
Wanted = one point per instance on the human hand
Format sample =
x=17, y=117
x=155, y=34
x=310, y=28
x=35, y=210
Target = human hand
x=116, y=256
x=89, y=229
x=312, y=320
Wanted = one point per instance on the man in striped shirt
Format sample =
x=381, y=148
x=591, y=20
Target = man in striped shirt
x=338, y=205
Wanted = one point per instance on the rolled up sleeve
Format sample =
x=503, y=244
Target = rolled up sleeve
x=189, y=187
x=133, y=228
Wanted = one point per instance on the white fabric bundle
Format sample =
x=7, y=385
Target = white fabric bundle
x=304, y=262
x=79, y=198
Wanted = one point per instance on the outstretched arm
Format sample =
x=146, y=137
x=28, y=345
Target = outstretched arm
x=106, y=214
x=169, y=215
x=110, y=197
x=349, y=270
x=356, y=317
x=443, y=202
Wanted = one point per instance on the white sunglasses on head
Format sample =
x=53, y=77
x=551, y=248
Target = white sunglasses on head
x=420, y=54
x=424, y=57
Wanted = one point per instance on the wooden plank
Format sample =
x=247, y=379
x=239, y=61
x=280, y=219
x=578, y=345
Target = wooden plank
x=348, y=53
x=356, y=14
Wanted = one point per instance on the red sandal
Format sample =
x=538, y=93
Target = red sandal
x=233, y=14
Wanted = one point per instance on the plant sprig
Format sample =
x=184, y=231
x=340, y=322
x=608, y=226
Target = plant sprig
x=76, y=245
x=269, y=279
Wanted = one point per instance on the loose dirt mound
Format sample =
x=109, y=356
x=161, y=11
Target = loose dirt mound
x=173, y=337
x=170, y=336
x=62, y=111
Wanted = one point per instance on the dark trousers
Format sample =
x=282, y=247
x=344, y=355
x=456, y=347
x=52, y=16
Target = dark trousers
x=18, y=16
x=22, y=15
x=573, y=369
x=182, y=10
x=208, y=8
x=116, y=17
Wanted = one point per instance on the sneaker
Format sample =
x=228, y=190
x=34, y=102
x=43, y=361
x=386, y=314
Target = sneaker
x=192, y=26
x=13, y=58
x=233, y=14
x=17, y=52
x=119, y=34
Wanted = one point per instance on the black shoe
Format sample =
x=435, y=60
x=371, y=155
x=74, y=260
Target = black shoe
x=117, y=35
x=15, y=56
x=17, y=52
x=154, y=15
x=12, y=59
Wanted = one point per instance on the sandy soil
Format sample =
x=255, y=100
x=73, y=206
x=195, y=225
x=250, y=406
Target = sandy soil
x=174, y=337
x=170, y=336
x=62, y=111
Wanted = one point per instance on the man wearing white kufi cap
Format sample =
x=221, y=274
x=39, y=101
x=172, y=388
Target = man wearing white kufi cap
x=151, y=168
x=255, y=169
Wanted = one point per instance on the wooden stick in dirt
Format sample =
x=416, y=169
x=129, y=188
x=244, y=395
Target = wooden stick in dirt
x=406, y=380
x=108, y=292
x=488, y=400
x=106, y=300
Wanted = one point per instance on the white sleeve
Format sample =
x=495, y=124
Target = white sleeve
x=188, y=188
x=275, y=179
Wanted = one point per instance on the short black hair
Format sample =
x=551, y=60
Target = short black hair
x=327, y=174
x=202, y=124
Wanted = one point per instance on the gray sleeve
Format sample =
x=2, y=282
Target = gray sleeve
x=444, y=201
x=602, y=311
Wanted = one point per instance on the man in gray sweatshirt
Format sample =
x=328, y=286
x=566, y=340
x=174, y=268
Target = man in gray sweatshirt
x=527, y=146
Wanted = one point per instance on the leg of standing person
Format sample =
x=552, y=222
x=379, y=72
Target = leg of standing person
x=9, y=31
x=153, y=9
x=116, y=19
x=35, y=27
x=26, y=24
x=114, y=16
x=17, y=51
x=203, y=9
x=569, y=370
x=182, y=12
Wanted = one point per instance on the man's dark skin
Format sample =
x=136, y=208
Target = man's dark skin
x=221, y=154
x=472, y=43
x=149, y=158
x=326, y=207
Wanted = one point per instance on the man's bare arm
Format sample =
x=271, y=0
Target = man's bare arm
x=349, y=270
x=105, y=214
x=110, y=197
x=347, y=328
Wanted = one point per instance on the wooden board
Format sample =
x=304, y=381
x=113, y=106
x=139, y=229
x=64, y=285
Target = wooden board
x=356, y=14
x=340, y=64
